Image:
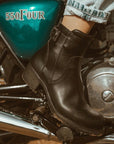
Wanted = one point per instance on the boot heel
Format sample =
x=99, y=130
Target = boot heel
x=30, y=77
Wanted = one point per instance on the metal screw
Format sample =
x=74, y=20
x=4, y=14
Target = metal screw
x=111, y=61
x=108, y=96
x=35, y=118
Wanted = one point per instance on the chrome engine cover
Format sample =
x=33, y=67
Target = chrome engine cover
x=100, y=87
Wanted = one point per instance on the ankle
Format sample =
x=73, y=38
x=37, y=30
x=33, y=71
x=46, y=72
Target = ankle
x=75, y=22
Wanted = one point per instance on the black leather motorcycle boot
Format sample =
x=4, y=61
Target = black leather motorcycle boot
x=56, y=67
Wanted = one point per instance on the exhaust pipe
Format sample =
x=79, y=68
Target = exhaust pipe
x=16, y=124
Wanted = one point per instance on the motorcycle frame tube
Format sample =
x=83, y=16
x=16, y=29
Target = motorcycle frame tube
x=17, y=125
x=20, y=64
x=14, y=88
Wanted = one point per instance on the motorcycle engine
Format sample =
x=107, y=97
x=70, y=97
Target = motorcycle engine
x=100, y=73
x=100, y=87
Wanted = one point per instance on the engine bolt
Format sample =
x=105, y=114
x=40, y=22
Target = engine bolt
x=35, y=118
x=111, y=61
x=108, y=96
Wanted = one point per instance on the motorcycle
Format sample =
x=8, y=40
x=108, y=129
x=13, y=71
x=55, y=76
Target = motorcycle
x=25, y=27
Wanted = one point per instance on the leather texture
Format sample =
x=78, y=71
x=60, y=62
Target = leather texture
x=58, y=67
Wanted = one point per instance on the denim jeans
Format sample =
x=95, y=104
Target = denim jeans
x=91, y=10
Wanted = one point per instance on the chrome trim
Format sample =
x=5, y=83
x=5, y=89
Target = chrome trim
x=12, y=123
x=21, y=98
x=99, y=72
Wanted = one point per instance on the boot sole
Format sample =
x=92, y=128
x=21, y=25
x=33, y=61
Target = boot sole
x=31, y=77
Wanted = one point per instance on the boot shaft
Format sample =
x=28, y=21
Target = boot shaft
x=65, y=48
x=75, y=42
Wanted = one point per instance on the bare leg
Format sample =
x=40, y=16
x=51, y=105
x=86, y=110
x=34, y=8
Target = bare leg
x=75, y=22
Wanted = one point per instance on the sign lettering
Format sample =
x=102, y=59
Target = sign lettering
x=25, y=14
